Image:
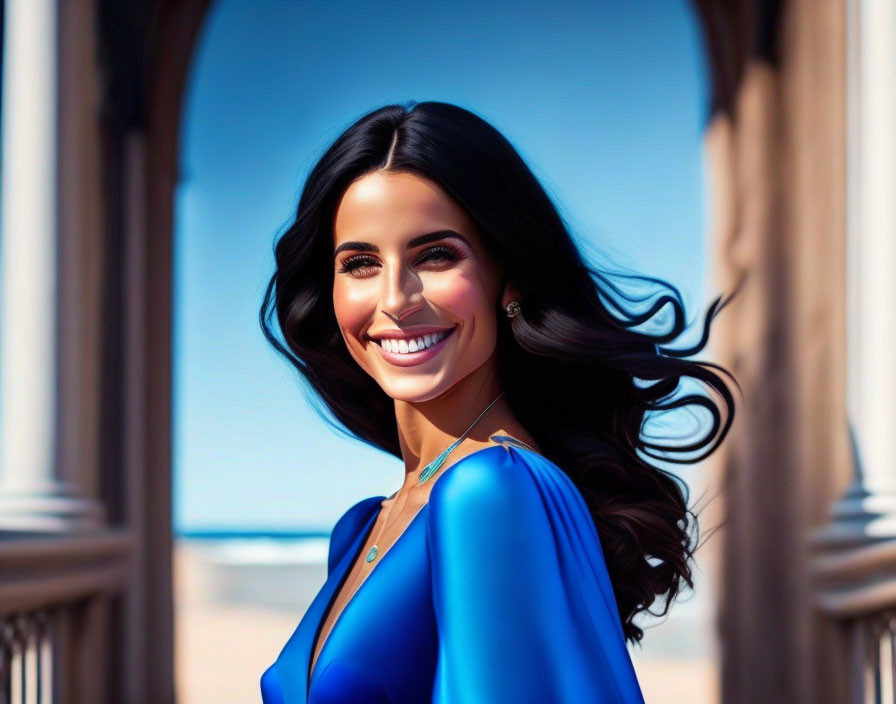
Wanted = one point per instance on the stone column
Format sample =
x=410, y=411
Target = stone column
x=867, y=510
x=32, y=494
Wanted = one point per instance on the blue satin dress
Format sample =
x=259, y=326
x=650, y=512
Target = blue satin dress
x=496, y=592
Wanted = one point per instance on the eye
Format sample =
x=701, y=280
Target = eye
x=359, y=265
x=442, y=252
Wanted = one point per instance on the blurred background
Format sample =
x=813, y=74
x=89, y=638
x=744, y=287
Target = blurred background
x=167, y=488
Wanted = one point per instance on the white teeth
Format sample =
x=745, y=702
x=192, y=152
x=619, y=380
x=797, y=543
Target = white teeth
x=414, y=345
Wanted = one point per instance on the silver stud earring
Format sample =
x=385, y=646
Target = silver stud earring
x=513, y=309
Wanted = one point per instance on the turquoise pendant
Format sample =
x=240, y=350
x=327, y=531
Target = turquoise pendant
x=432, y=467
x=371, y=554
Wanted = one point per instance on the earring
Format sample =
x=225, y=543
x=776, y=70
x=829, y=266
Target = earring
x=513, y=309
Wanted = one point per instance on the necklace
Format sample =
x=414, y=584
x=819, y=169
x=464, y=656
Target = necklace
x=432, y=468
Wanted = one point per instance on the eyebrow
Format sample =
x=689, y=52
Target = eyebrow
x=415, y=242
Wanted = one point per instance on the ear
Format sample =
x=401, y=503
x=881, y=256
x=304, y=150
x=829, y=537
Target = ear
x=511, y=293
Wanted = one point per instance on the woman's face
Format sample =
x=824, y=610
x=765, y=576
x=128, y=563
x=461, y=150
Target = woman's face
x=410, y=273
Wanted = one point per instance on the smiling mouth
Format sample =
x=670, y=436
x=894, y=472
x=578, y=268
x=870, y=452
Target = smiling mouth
x=412, y=345
x=391, y=349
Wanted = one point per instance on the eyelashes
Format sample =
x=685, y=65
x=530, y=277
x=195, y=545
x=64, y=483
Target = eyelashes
x=361, y=263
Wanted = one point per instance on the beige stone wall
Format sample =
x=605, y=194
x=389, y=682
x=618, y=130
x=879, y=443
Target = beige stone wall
x=776, y=156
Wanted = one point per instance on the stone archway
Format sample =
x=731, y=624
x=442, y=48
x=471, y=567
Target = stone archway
x=776, y=141
x=767, y=136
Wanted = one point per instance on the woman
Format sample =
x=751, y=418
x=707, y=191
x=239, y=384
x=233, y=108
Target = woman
x=431, y=296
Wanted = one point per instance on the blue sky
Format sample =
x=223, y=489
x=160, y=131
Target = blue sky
x=605, y=101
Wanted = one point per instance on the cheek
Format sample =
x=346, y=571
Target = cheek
x=352, y=306
x=461, y=295
x=465, y=298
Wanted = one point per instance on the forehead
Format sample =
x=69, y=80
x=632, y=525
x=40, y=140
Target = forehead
x=385, y=206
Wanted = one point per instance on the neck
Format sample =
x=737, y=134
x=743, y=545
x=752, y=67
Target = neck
x=427, y=428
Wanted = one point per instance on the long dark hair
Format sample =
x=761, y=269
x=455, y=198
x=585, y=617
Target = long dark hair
x=575, y=372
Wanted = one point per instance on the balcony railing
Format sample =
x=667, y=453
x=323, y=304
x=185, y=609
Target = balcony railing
x=857, y=587
x=54, y=614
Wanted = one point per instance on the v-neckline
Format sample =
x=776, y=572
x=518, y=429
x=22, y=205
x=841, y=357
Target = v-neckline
x=356, y=553
x=342, y=580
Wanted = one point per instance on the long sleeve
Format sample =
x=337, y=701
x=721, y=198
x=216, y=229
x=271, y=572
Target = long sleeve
x=524, y=605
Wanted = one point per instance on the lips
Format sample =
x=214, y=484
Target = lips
x=410, y=359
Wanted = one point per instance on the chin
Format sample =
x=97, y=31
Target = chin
x=413, y=390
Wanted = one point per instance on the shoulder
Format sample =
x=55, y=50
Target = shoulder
x=486, y=475
x=348, y=525
x=498, y=504
x=504, y=481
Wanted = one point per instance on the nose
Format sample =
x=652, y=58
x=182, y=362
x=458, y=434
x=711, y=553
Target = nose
x=403, y=294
